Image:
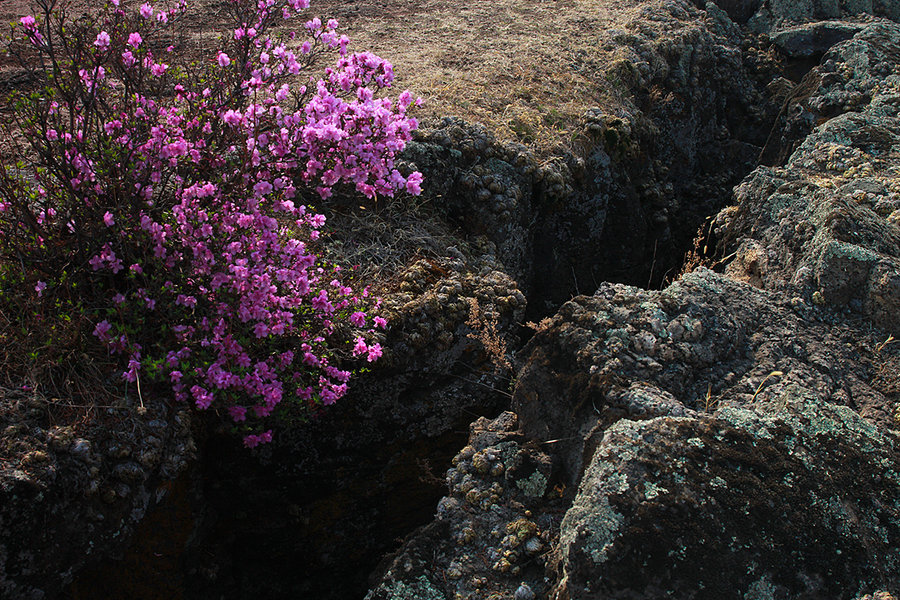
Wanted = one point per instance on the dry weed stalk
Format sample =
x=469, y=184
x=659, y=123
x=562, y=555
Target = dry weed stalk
x=543, y=325
x=484, y=330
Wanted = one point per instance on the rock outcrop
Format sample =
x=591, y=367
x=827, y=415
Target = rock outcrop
x=794, y=498
x=733, y=434
x=72, y=497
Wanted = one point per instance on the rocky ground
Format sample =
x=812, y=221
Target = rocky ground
x=726, y=432
x=731, y=435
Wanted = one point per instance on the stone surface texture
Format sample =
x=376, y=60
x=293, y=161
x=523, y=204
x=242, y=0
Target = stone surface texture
x=732, y=435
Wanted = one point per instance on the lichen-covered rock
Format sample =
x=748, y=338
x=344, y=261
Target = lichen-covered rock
x=480, y=186
x=812, y=39
x=776, y=14
x=73, y=494
x=856, y=75
x=705, y=341
x=488, y=540
x=821, y=226
x=691, y=114
x=434, y=369
x=794, y=498
x=729, y=436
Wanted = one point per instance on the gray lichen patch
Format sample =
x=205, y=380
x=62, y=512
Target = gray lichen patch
x=535, y=485
x=805, y=474
x=418, y=589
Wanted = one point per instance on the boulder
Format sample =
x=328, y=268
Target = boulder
x=824, y=226
x=793, y=498
x=73, y=494
x=811, y=39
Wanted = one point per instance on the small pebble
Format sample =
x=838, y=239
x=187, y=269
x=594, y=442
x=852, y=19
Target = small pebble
x=524, y=592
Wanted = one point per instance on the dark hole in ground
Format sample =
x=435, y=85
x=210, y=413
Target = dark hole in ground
x=268, y=532
x=796, y=69
x=240, y=527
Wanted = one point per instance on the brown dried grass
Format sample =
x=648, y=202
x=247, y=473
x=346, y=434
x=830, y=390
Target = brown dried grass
x=526, y=69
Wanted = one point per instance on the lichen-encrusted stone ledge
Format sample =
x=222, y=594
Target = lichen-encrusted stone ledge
x=731, y=436
x=825, y=226
x=705, y=341
x=794, y=498
x=75, y=496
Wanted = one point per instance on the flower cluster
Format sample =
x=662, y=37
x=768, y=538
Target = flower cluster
x=186, y=195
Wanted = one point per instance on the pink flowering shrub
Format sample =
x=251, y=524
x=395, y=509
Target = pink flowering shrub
x=172, y=199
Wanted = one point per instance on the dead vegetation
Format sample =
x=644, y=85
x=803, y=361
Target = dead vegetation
x=485, y=330
x=527, y=70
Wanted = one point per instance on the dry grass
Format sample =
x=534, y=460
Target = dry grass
x=527, y=69
x=484, y=327
x=381, y=241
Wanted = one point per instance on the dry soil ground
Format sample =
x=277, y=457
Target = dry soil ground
x=524, y=68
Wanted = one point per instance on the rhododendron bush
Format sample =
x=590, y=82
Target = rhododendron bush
x=172, y=197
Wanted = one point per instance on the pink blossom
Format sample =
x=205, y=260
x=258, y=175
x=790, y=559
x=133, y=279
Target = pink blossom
x=40, y=287
x=262, y=188
x=101, y=330
x=186, y=301
x=254, y=440
x=131, y=374
x=238, y=253
x=202, y=398
x=374, y=352
x=232, y=117
x=414, y=183
x=102, y=40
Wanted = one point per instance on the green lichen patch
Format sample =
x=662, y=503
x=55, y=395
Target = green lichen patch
x=799, y=489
